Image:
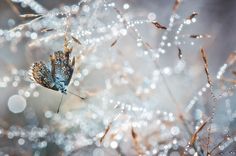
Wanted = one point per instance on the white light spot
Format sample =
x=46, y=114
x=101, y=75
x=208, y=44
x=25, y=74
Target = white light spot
x=34, y=36
x=16, y=104
x=151, y=16
x=168, y=44
x=76, y=83
x=139, y=44
x=203, y=89
x=6, y=79
x=98, y=152
x=191, y=151
x=153, y=86
x=114, y=144
x=162, y=44
x=86, y=8
x=15, y=84
x=187, y=21
x=126, y=6
x=21, y=92
x=200, y=93
x=27, y=94
x=194, y=20
x=175, y=130
x=164, y=37
x=198, y=114
x=85, y=72
x=48, y=114
x=123, y=32
x=167, y=71
x=35, y=93
x=99, y=65
x=21, y=141
x=208, y=85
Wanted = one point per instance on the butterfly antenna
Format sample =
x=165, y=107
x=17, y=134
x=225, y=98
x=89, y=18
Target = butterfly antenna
x=81, y=97
x=58, y=109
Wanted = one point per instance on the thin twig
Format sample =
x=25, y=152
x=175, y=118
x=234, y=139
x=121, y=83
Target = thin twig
x=198, y=36
x=113, y=43
x=158, y=25
x=30, y=15
x=180, y=54
x=136, y=142
x=195, y=134
x=46, y=30
x=204, y=57
x=176, y=5
x=194, y=14
x=76, y=40
x=105, y=133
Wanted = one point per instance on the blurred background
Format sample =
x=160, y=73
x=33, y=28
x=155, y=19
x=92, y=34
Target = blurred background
x=146, y=87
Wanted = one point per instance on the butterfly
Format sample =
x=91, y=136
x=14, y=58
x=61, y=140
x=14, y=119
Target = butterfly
x=57, y=72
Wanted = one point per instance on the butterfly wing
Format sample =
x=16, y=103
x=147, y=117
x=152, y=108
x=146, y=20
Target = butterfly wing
x=42, y=75
x=64, y=67
x=69, y=66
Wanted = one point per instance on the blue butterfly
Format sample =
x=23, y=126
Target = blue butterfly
x=56, y=73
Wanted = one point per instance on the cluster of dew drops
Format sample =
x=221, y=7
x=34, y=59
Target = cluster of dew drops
x=136, y=117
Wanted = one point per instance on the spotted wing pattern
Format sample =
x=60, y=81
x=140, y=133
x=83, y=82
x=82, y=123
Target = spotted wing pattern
x=42, y=75
x=57, y=73
x=63, y=66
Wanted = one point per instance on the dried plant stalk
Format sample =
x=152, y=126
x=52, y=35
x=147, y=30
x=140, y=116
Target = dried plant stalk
x=228, y=80
x=136, y=142
x=176, y=5
x=204, y=57
x=105, y=133
x=114, y=43
x=195, y=134
x=231, y=59
x=158, y=25
x=76, y=40
x=46, y=30
x=180, y=54
x=194, y=14
x=30, y=15
x=198, y=36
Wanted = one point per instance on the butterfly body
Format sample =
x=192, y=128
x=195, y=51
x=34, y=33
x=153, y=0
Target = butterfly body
x=57, y=73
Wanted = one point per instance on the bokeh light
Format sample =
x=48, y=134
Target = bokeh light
x=150, y=78
x=16, y=104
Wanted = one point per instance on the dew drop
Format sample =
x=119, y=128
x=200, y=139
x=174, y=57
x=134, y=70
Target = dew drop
x=86, y=8
x=21, y=141
x=98, y=152
x=175, y=130
x=16, y=103
x=126, y=6
x=151, y=16
x=114, y=144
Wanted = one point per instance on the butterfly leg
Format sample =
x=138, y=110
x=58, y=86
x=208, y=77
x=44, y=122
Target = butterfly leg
x=81, y=96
